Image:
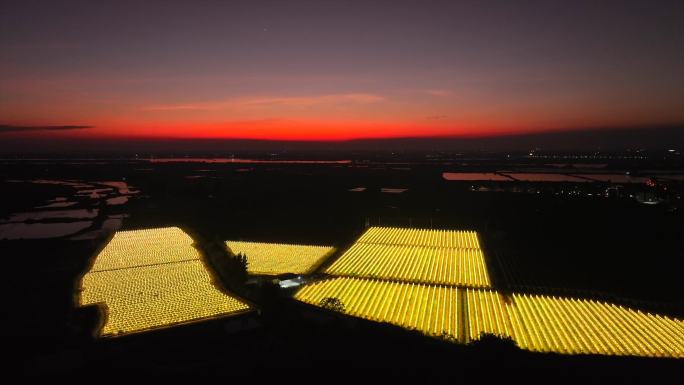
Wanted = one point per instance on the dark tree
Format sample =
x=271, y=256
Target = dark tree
x=230, y=268
x=332, y=303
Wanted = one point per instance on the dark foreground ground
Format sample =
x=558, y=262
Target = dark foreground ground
x=616, y=249
x=295, y=344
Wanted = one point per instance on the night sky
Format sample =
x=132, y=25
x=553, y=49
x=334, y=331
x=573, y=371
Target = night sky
x=330, y=70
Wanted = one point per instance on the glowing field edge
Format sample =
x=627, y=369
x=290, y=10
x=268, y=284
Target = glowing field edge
x=535, y=322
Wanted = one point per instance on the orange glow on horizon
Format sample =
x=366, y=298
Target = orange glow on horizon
x=281, y=130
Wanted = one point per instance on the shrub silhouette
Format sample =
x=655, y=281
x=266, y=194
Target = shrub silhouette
x=332, y=303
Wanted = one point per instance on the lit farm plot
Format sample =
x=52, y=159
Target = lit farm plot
x=277, y=258
x=149, y=297
x=449, y=266
x=147, y=279
x=536, y=323
x=430, y=309
x=416, y=255
x=414, y=279
x=421, y=237
x=574, y=326
x=488, y=313
x=146, y=247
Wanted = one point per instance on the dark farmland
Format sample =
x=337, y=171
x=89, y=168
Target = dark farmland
x=617, y=249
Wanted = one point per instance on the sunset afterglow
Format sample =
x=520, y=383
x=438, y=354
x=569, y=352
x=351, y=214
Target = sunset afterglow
x=326, y=71
x=447, y=190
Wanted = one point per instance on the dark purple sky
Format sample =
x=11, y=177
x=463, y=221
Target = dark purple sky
x=322, y=70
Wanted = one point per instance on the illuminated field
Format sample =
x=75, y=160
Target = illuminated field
x=146, y=247
x=416, y=255
x=536, y=323
x=574, y=326
x=414, y=263
x=437, y=282
x=430, y=309
x=277, y=258
x=421, y=237
x=487, y=312
x=147, y=279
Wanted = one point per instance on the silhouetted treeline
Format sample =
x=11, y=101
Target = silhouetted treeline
x=230, y=269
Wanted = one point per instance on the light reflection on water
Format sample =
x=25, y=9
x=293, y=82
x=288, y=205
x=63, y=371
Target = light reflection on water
x=615, y=178
x=509, y=176
x=53, y=214
x=117, y=201
x=10, y=231
x=123, y=187
x=110, y=225
x=61, y=222
x=475, y=176
x=545, y=177
x=57, y=205
x=240, y=160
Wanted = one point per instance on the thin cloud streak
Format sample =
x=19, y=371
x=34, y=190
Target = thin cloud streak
x=293, y=101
